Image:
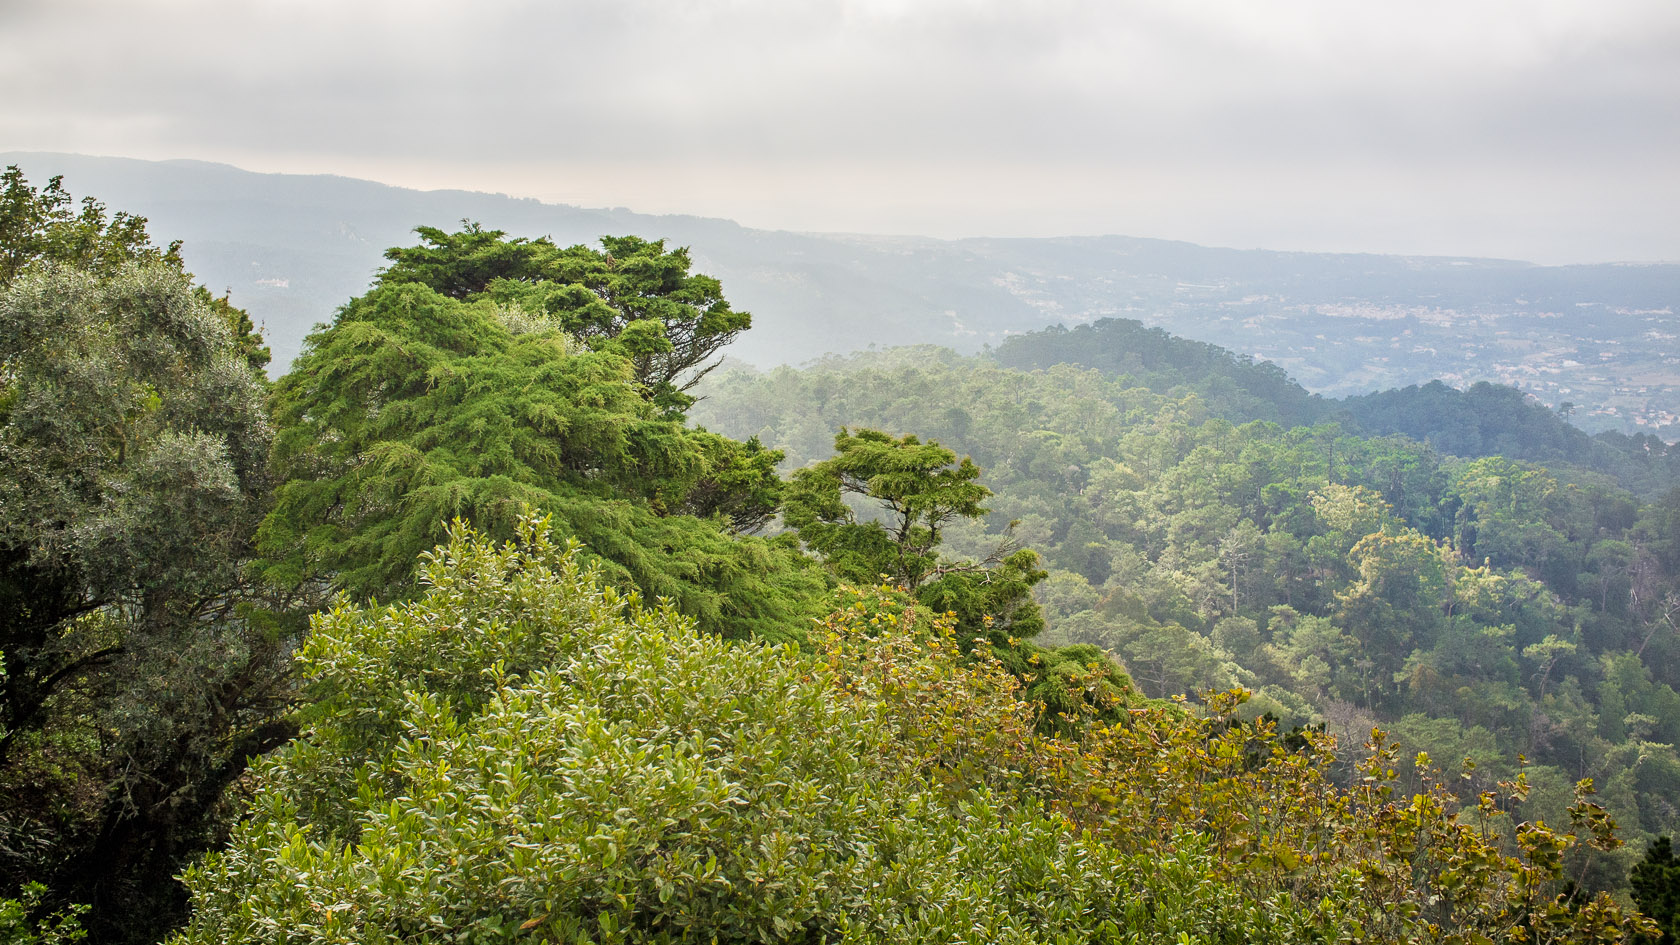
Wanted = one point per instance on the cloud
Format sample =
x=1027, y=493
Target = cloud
x=836, y=113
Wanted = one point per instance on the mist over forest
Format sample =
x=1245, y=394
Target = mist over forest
x=433, y=566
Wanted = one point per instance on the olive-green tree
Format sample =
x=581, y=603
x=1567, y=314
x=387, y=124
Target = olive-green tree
x=133, y=471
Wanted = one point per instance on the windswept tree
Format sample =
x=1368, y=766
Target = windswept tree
x=416, y=407
x=632, y=294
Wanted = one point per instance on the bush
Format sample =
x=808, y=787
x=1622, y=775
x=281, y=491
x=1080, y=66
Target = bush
x=523, y=754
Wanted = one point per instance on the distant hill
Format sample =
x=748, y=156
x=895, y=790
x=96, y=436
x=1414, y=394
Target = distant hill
x=1244, y=388
x=1493, y=420
x=1483, y=420
x=291, y=248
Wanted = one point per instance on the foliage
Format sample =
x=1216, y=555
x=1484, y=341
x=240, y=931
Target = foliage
x=133, y=471
x=132, y=459
x=1655, y=884
x=44, y=224
x=522, y=753
x=920, y=489
x=1484, y=607
x=560, y=763
x=518, y=749
x=1254, y=390
x=414, y=408
x=1492, y=420
x=43, y=227
x=21, y=924
x=632, y=295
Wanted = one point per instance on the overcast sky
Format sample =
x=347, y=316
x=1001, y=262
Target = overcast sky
x=1538, y=129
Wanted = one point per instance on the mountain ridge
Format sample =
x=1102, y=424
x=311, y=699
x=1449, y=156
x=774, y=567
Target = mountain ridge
x=292, y=247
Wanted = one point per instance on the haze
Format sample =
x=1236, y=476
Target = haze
x=1544, y=131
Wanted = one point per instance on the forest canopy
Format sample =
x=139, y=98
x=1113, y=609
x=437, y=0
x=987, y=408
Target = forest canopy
x=1477, y=607
x=466, y=629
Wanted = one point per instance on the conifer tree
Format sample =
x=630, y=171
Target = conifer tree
x=416, y=407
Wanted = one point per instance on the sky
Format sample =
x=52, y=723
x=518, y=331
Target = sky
x=1546, y=130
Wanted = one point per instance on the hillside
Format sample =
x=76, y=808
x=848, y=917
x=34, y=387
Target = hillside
x=1483, y=420
x=1475, y=605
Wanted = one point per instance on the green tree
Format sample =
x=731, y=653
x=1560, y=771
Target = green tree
x=46, y=224
x=1655, y=882
x=1513, y=514
x=133, y=472
x=414, y=408
x=1399, y=594
x=631, y=293
x=133, y=449
x=919, y=488
x=43, y=226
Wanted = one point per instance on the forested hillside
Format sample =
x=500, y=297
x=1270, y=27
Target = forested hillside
x=1482, y=420
x=1477, y=606
x=466, y=629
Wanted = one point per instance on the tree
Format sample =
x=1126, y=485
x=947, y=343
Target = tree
x=133, y=471
x=414, y=408
x=1655, y=883
x=1397, y=598
x=918, y=487
x=138, y=678
x=37, y=225
x=133, y=448
x=1513, y=514
x=632, y=293
x=42, y=226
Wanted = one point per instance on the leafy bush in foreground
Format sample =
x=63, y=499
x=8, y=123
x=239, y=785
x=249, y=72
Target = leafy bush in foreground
x=521, y=754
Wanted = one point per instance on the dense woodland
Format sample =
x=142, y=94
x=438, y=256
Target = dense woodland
x=503, y=616
x=1473, y=605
